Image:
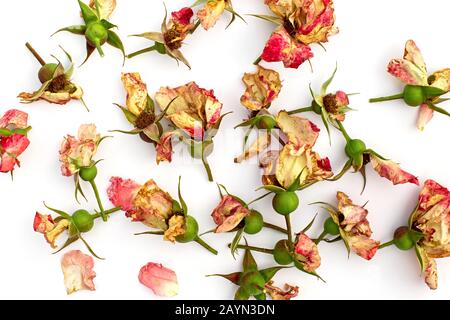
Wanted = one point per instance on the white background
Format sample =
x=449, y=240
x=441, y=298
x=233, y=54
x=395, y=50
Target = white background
x=371, y=33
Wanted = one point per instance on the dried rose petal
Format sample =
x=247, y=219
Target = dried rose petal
x=78, y=269
x=425, y=116
x=136, y=92
x=228, y=214
x=276, y=293
x=392, y=171
x=162, y=281
x=211, y=13
x=306, y=251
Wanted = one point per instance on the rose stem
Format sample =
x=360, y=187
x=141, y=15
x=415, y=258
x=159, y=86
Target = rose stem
x=388, y=98
x=321, y=237
x=257, y=249
x=134, y=54
x=289, y=228
x=307, y=109
x=108, y=212
x=100, y=205
x=274, y=227
x=206, y=246
x=387, y=244
x=35, y=54
x=344, y=132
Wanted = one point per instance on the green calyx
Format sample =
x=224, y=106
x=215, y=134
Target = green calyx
x=47, y=71
x=405, y=239
x=254, y=222
x=282, y=254
x=191, y=233
x=253, y=283
x=266, y=122
x=317, y=108
x=330, y=227
x=88, y=173
x=355, y=148
x=96, y=35
x=83, y=221
x=414, y=96
x=285, y=202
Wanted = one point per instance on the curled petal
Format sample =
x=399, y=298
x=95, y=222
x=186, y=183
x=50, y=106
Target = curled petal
x=211, y=13
x=431, y=277
x=122, y=192
x=60, y=97
x=15, y=118
x=164, y=148
x=276, y=293
x=289, y=167
x=268, y=162
x=182, y=17
x=43, y=223
x=411, y=69
x=431, y=194
x=176, y=228
x=440, y=79
x=282, y=8
x=302, y=133
x=363, y=246
x=137, y=93
x=105, y=7
x=78, y=269
x=162, y=281
x=425, y=115
x=229, y=214
x=52, y=235
x=151, y=206
x=10, y=149
x=306, y=251
x=392, y=171
x=281, y=47
x=262, y=88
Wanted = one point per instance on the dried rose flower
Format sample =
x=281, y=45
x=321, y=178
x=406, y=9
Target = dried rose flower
x=420, y=90
x=78, y=269
x=213, y=10
x=13, y=139
x=57, y=86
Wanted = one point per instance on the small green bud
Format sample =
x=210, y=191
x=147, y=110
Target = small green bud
x=331, y=227
x=281, y=253
x=47, y=71
x=96, y=34
x=414, y=96
x=191, y=232
x=403, y=239
x=88, y=173
x=266, y=122
x=355, y=148
x=254, y=222
x=83, y=221
x=253, y=283
x=285, y=202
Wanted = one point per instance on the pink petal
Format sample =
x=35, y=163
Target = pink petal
x=392, y=171
x=228, y=214
x=431, y=194
x=182, y=16
x=164, y=148
x=78, y=271
x=281, y=47
x=162, y=281
x=122, y=192
x=425, y=115
x=431, y=277
x=14, y=117
x=10, y=149
x=43, y=223
x=363, y=246
x=308, y=251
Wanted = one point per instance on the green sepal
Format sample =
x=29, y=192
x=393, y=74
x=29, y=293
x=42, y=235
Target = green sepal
x=131, y=117
x=438, y=109
x=232, y=277
x=108, y=25
x=68, y=242
x=328, y=82
x=271, y=188
x=63, y=214
x=272, y=19
x=234, y=244
x=77, y=29
x=89, y=248
x=87, y=13
x=249, y=264
x=114, y=40
x=309, y=226
x=269, y=273
x=432, y=92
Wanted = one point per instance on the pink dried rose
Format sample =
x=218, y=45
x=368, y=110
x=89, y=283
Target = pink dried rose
x=354, y=229
x=77, y=153
x=78, y=269
x=301, y=23
x=263, y=87
x=282, y=47
x=229, y=214
x=431, y=220
x=211, y=13
x=420, y=89
x=307, y=253
x=170, y=40
x=13, y=139
x=162, y=281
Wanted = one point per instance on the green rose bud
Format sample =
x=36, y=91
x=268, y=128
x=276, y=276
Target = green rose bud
x=47, y=71
x=191, y=232
x=414, y=96
x=254, y=222
x=331, y=227
x=285, y=202
x=88, y=173
x=266, y=122
x=83, y=221
x=253, y=283
x=281, y=253
x=403, y=239
x=355, y=148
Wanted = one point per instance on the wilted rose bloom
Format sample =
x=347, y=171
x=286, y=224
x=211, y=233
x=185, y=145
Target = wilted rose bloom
x=262, y=88
x=336, y=105
x=78, y=269
x=282, y=47
x=211, y=12
x=50, y=228
x=310, y=21
x=12, y=145
x=143, y=203
x=412, y=70
x=354, y=227
x=178, y=28
x=392, y=171
x=195, y=110
x=76, y=153
x=432, y=219
x=276, y=293
x=307, y=253
x=229, y=214
x=162, y=281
